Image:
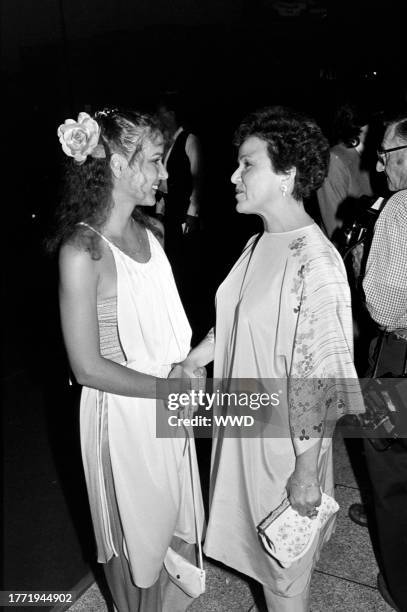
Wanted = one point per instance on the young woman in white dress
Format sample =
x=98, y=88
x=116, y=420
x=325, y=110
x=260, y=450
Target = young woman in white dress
x=124, y=327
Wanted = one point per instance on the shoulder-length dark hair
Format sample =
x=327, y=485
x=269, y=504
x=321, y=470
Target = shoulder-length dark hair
x=87, y=188
x=293, y=141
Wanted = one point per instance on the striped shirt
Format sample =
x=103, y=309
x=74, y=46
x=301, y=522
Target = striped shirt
x=385, y=282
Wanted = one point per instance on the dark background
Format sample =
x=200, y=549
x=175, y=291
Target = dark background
x=63, y=56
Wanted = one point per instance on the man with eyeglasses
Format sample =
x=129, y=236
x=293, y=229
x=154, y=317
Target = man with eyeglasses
x=385, y=287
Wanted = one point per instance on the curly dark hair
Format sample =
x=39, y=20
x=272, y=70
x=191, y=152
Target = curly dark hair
x=88, y=186
x=293, y=141
x=349, y=118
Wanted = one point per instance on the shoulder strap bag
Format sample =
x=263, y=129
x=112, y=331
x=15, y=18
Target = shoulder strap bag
x=188, y=576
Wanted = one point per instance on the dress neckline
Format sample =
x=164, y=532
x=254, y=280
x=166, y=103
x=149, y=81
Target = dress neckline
x=112, y=244
x=289, y=233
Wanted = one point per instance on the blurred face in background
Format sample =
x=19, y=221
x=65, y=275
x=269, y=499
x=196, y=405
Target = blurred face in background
x=167, y=120
x=393, y=163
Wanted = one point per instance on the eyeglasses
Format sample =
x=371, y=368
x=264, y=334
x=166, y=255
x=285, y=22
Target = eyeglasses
x=381, y=153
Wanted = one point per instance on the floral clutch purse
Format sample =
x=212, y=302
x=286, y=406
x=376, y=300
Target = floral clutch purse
x=287, y=536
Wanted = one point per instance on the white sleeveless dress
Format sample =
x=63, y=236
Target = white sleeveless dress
x=150, y=474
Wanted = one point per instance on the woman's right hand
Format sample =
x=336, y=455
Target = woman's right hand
x=196, y=377
x=187, y=369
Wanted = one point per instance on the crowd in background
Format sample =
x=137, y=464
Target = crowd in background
x=364, y=218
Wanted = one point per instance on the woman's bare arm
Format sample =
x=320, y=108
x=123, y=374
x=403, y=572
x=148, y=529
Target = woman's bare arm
x=79, y=278
x=197, y=358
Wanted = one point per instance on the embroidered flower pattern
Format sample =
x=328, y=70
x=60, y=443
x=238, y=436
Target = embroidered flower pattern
x=341, y=405
x=321, y=365
x=297, y=245
x=299, y=279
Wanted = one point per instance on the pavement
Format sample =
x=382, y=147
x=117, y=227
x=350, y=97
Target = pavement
x=344, y=579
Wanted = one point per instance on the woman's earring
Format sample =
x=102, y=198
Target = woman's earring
x=284, y=189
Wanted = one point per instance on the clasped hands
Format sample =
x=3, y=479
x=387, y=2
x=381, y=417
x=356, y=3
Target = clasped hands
x=193, y=379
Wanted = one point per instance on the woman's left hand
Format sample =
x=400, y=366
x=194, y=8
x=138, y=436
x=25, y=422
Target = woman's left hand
x=304, y=495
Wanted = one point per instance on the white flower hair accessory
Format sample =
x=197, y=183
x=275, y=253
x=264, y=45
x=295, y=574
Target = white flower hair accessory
x=80, y=138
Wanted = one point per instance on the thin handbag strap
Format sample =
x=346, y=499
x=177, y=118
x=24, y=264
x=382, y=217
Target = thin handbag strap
x=253, y=246
x=379, y=352
x=197, y=534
